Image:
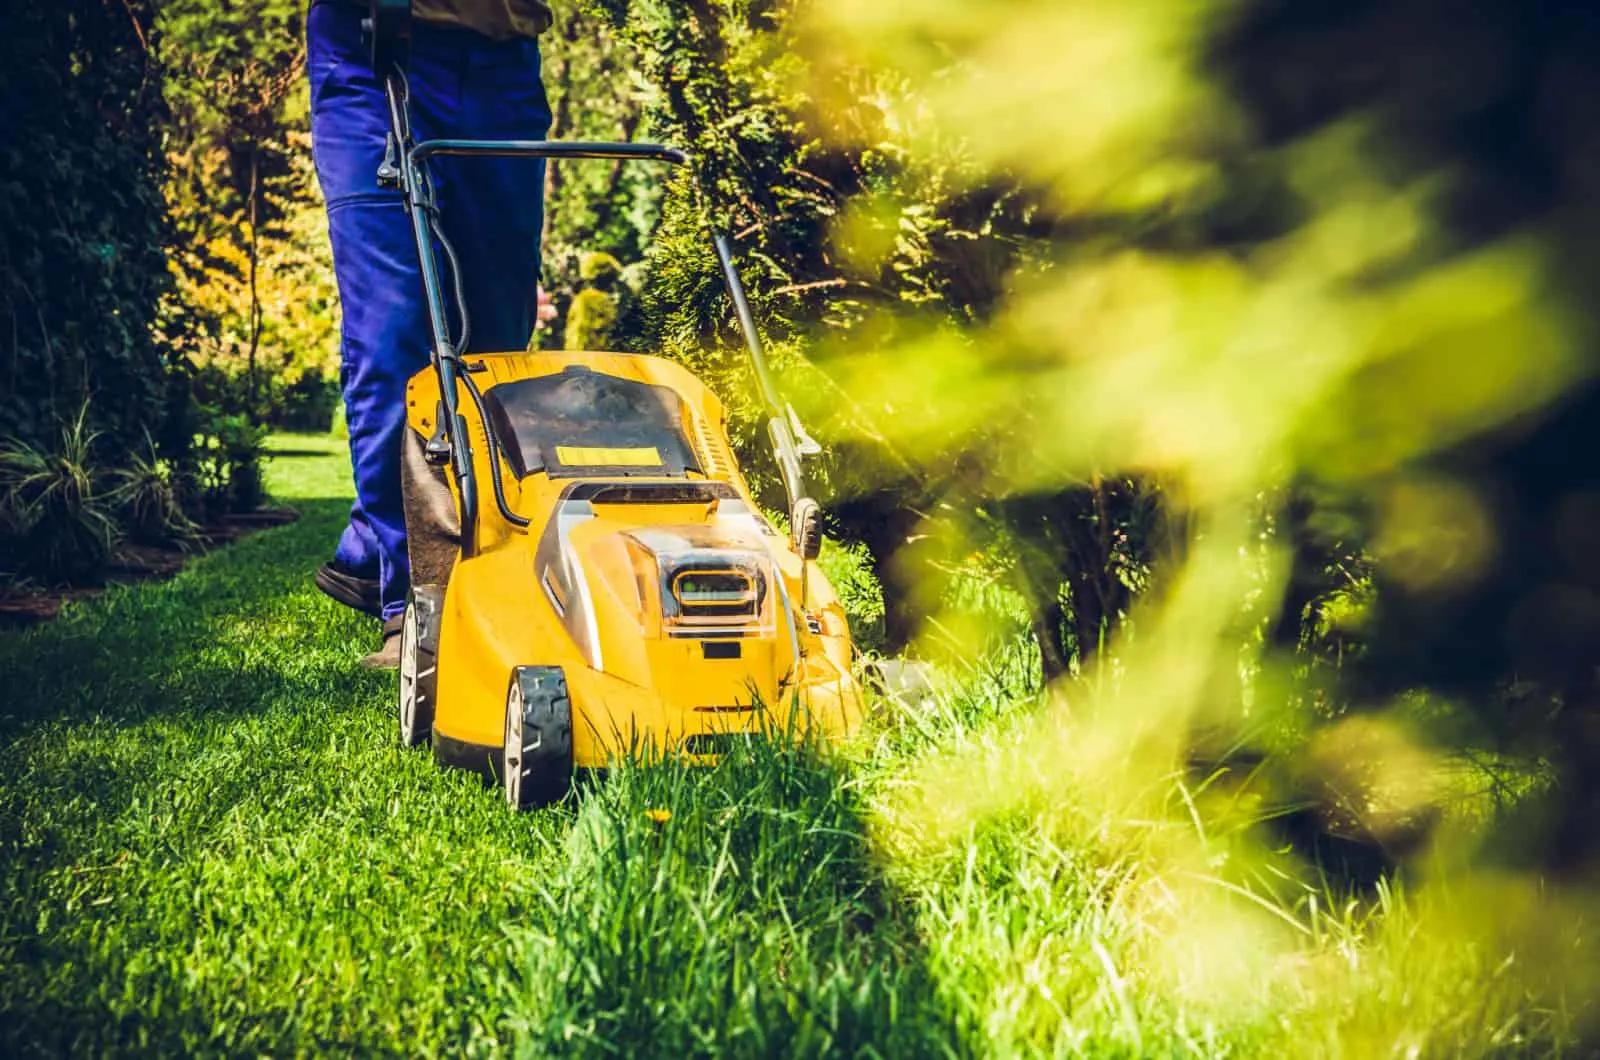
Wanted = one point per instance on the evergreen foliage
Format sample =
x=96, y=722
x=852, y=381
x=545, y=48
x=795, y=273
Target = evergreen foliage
x=840, y=226
x=601, y=271
x=83, y=224
x=590, y=320
x=593, y=315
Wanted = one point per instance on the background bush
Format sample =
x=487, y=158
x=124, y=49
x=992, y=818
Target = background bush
x=84, y=228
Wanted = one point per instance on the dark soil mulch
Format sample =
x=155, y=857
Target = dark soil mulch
x=28, y=605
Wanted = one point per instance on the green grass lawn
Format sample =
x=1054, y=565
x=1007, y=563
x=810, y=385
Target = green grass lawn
x=210, y=843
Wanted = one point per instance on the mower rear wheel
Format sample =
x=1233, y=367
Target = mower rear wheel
x=419, y=664
x=806, y=528
x=536, y=761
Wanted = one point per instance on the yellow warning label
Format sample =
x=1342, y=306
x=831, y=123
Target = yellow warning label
x=588, y=456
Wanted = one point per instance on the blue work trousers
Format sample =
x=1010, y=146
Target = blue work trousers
x=462, y=85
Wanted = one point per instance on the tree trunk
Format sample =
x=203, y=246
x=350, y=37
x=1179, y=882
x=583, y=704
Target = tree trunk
x=884, y=527
x=607, y=203
x=559, y=118
x=1047, y=621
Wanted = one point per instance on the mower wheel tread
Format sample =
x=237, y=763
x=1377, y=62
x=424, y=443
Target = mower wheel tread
x=544, y=758
x=807, y=528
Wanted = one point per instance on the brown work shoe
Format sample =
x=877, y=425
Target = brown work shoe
x=387, y=657
x=350, y=589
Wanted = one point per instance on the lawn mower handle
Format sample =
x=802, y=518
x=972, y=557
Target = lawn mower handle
x=404, y=169
x=551, y=149
x=805, y=529
x=389, y=30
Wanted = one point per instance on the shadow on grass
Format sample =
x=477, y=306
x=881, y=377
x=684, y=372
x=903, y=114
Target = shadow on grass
x=232, y=630
x=137, y=732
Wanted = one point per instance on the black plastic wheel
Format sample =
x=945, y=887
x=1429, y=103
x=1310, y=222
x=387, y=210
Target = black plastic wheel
x=806, y=522
x=419, y=664
x=536, y=761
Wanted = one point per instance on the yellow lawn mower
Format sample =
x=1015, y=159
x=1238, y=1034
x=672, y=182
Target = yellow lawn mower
x=620, y=592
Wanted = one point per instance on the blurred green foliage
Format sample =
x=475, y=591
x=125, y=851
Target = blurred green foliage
x=841, y=224
x=1066, y=290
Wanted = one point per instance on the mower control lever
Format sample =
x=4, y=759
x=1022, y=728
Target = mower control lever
x=805, y=445
x=389, y=168
x=437, y=449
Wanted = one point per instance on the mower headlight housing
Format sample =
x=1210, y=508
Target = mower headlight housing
x=727, y=592
x=707, y=587
x=709, y=593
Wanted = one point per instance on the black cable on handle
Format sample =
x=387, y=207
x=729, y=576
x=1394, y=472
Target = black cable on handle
x=418, y=197
x=494, y=457
x=453, y=267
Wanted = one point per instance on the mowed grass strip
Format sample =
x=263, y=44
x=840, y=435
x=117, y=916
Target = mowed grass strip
x=210, y=843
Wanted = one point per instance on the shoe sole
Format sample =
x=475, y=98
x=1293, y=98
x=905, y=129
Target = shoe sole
x=353, y=593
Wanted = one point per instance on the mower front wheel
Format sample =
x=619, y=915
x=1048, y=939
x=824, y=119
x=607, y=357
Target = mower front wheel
x=419, y=664
x=536, y=761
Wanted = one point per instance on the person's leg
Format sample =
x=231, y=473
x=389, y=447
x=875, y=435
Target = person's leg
x=343, y=120
x=464, y=85
x=351, y=577
x=357, y=551
x=384, y=324
x=348, y=121
x=492, y=209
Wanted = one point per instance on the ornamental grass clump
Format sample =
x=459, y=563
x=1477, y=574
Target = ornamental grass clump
x=57, y=509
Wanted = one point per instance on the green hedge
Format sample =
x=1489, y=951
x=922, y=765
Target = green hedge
x=83, y=222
